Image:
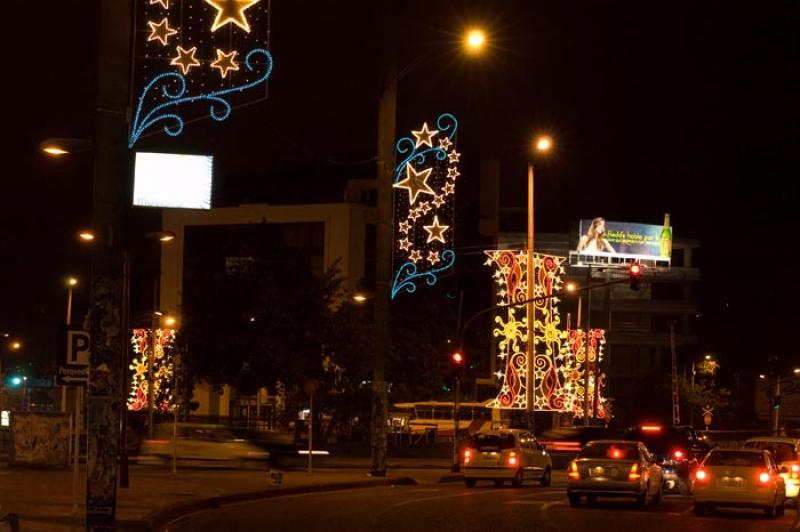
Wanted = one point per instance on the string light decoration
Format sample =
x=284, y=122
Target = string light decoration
x=576, y=368
x=550, y=361
x=424, y=183
x=197, y=59
x=163, y=369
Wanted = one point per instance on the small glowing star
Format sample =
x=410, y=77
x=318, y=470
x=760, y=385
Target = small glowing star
x=185, y=59
x=435, y=231
x=454, y=157
x=445, y=143
x=433, y=257
x=161, y=31
x=225, y=62
x=415, y=255
x=164, y=3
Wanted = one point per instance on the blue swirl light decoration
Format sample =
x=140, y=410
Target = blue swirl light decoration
x=219, y=110
x=408, y=275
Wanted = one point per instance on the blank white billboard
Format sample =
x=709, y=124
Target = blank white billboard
x=172, y=180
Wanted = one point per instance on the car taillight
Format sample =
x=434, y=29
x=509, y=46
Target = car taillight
x=764, y=477
x=512, y=458
x=467, y=456
x=678, y=455
x=795, y=470
x=701, y=475
x=634, y=474
x=573, y=471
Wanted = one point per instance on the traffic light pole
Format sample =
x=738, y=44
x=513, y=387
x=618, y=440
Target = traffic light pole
x=776, y=406
x=455, y=467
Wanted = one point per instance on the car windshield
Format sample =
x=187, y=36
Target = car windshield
x=612, y=450
x=492, y=442
x=782, y=451
x=735, y=459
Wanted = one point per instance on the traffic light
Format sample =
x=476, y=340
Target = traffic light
x=776, y=402
x=635, y=275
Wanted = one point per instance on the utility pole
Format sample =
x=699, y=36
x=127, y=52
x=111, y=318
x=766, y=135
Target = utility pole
x=530, y=308
x=387, y=120
x=105, y=319
x=676, y=412
x=776, y=407
x=587, y=412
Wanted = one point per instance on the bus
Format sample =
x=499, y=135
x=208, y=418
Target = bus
x=432, y=420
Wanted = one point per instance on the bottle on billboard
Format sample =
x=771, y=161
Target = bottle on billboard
x=666, y=238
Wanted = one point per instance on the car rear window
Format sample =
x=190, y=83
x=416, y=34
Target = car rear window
x=783, y=452
x=735, y=459
x=614, y=451
x=492, y=442
x=660, y=441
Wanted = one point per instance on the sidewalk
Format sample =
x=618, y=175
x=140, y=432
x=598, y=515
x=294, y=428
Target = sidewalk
x=43, y=499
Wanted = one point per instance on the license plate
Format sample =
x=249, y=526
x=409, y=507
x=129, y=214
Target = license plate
x=602, y=472
x=732, y=482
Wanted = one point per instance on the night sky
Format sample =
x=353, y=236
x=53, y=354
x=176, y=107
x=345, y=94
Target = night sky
x=688, y=107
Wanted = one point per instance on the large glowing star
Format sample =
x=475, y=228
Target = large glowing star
x=225, y=62
x=231, y=11
x=416, y=183
x=161, y=31
x=424, y=136
x=435, y=231
x=164, y=3
x=185, y=59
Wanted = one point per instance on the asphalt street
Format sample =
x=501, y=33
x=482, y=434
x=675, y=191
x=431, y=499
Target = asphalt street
x=453, y=507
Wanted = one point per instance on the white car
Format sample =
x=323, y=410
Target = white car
x=201, y=444
x=505, y=454
x=739, y=478
x=784, y=450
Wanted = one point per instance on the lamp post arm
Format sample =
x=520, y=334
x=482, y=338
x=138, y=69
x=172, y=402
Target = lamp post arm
x=472, y=318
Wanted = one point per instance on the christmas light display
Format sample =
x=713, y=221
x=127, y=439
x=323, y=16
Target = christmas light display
x=194, y=52
x=581, y=361
x=160, y=345
x=551, y=385
x=424, y=186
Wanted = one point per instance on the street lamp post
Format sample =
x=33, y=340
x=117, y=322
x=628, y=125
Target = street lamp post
x=387, y=125
x=542, y=145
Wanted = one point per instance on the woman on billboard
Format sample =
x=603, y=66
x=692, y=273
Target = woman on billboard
x=594, y=241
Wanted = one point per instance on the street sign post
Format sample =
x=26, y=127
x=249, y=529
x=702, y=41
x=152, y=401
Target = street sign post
x=75, y=369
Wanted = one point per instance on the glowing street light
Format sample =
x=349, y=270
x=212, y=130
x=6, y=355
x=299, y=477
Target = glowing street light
x=72, y=281
x=64, y=146
x=544, y=144
x=86, y=235
x=571, y=287
x=359, y=297
x=16, y=345
x=475, y=40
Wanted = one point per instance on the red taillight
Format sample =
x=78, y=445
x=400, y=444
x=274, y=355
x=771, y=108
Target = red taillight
x=678, y=455
x=467, y=456
x=764, y=477
x=651, y=428
x=573, y=471
x=701, y=475
x=512, y=458
x=634, y=474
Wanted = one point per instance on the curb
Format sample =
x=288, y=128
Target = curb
x=160, y=518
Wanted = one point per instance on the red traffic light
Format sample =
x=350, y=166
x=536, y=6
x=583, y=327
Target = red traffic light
x=634, y=275
x=457, y=358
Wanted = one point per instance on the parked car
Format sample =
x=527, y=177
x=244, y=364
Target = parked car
x=678, y=450
x=201, y=444
x=614, y=468
x=505, y=454
x=740, y=478
x=785, y=452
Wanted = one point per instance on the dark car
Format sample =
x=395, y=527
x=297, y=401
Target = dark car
x=572, y=439
x=678, y=450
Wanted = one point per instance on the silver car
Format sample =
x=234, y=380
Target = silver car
x=614, y=468
x=505, y=454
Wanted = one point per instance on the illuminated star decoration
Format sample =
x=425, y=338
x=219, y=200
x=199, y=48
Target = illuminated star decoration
x=225, y=62
x=435, y=231
x=424, y=136
x=185, y=59
x=164, y=3
x=231, y=11
x=424, y=186
x=416, y=183
x=161, y=32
